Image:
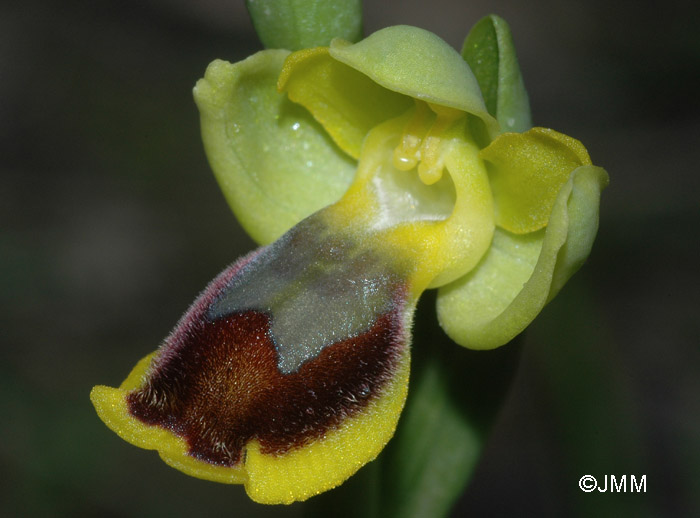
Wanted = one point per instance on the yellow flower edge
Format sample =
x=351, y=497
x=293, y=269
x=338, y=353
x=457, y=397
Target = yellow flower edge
x=110, y=404
x=268, y=479
x=325, y=464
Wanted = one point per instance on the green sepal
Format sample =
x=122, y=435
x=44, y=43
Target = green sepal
x=274, y=163
x=419, y=64
x=520, y=273
x=301, y=24
x=490, y=52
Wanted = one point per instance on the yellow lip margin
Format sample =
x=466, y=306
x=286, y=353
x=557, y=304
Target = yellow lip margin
x=270, y=479
x=111, y=406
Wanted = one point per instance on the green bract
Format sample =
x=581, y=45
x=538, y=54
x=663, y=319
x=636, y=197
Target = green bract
x=491, y=55
x=283, y=133
x=298, y=24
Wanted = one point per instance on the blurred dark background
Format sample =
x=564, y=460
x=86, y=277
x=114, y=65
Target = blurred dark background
x=112, y=223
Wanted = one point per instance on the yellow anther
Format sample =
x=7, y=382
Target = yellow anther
x=432, y=162
x=431, y=165
x=407, y=153
x=421, y=141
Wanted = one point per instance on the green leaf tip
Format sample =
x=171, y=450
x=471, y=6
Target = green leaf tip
x=490, y=52
x=299, y=24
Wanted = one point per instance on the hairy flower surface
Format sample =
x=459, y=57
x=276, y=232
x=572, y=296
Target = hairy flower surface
x=370, y=172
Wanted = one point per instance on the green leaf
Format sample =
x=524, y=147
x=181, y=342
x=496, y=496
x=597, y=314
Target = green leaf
x=275, y=164
x=521, y=273
x=453, y=403
x=588, y=395
x=300, y=24
x=454, y=396
x=489, y=51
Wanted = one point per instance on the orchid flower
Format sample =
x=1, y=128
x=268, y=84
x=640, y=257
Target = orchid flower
x=368, y=172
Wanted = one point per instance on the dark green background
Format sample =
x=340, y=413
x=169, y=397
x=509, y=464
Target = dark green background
x=112, y=223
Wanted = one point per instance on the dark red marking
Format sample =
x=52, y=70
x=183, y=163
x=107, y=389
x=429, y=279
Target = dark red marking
x=217, y=385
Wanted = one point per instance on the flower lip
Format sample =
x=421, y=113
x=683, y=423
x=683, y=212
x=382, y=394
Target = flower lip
x=289, y=358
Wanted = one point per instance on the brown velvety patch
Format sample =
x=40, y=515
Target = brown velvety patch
x=220, y=387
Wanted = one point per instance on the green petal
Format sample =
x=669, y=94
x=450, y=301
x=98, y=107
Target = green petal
x=347, y=103
x=419, y=64
x=527, y=171
x=300, y=24
x=520, y=274
x=490, y=52
x=273, y=161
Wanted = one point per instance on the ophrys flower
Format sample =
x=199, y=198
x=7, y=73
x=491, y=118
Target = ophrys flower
x=376, y=171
